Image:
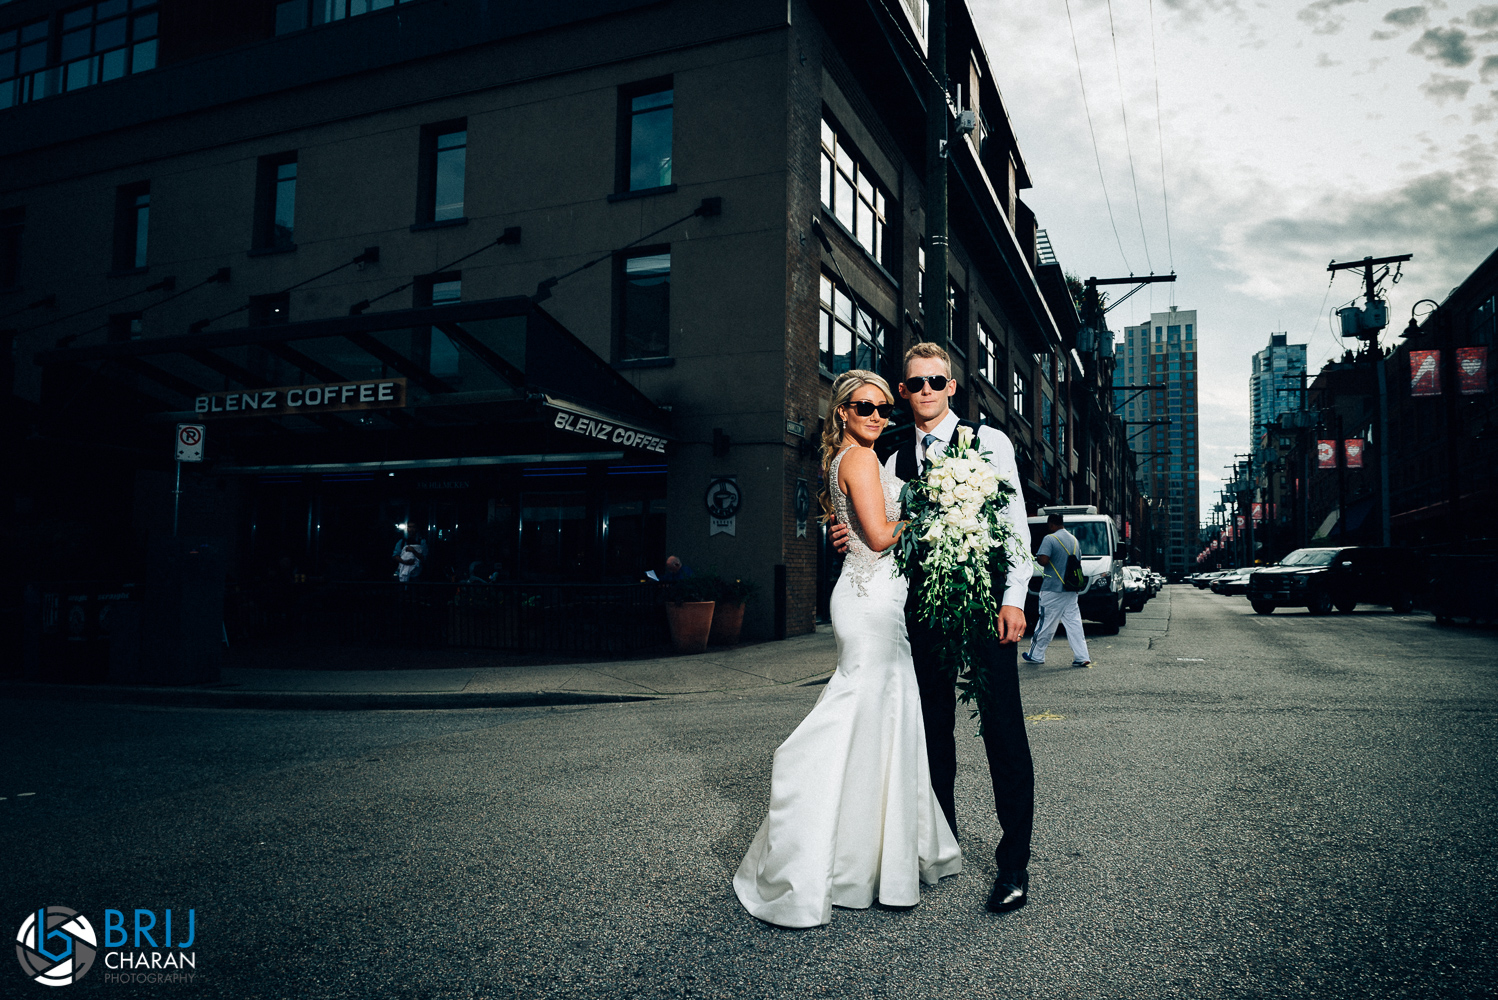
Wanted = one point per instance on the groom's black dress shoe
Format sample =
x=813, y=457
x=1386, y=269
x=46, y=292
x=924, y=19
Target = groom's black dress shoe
x=1011, y=890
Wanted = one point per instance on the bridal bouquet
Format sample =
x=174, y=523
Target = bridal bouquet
x=956, y=545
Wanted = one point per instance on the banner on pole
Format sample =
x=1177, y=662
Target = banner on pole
x=1425, y=373
x=1472, y=370
x=1258, y=512
x=1352, y=451
x=1326, y=454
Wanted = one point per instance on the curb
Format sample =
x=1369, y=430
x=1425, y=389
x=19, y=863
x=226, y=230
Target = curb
x=305, y=700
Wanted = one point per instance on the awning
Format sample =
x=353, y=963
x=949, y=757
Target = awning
x=488, y=363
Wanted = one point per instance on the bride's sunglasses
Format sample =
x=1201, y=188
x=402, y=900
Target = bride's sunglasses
x=864, y=408
x=915, y=384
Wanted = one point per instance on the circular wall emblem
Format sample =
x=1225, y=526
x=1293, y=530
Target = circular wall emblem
x=56, y=946
x=803, y=500
x=723, y=498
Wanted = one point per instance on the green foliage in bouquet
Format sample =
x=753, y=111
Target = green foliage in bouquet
x=956, y=545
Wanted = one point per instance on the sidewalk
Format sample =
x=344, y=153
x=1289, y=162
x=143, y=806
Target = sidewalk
x=797, y=660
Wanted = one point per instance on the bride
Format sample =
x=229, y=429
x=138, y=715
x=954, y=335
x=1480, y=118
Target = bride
x=852, y=816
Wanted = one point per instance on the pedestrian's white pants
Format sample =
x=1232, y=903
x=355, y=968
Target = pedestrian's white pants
x=1059, y=607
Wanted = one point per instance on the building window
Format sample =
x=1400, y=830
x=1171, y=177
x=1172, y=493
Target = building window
x=1481, y=323
x=99, y=42
x=644, y=305
x=850, y=192
x=1047, y=410
x=132, y=225
x=292, y=15
x=125, y=327
x=1021, y=396
x=851, y=336
x=275, y=203
x=957, y=319
x=990, y=358
x=270, y=310
x=444, y=160
x=436, y=350
x=645, y=124
x=12, y=223
x=920, y=276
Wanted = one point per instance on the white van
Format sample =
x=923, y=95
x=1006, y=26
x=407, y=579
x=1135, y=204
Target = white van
x=1102, y=561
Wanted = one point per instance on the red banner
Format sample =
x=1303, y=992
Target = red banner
x=1240, y=522
x=1326, y=454
x=1472, y=370
x=1352, y=451
x=1425, y=373
x=1258, y=512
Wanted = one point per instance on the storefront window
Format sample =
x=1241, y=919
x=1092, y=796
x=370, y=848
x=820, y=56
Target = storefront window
x=555, y=535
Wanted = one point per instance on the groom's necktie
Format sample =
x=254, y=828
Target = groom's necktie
x=926, y=443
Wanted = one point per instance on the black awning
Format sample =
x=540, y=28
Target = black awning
x=435, y=366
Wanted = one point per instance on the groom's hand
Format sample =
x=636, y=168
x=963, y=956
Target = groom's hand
x=1011, y=624
x=838, y=533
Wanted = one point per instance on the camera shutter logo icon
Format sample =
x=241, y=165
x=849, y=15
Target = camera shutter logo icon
x=56, y=946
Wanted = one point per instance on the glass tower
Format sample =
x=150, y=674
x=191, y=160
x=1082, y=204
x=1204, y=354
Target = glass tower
x=1163, y=430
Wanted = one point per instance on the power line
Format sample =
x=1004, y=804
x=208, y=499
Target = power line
x=1128, y=146
x=1096, y=155
x=1160, y=134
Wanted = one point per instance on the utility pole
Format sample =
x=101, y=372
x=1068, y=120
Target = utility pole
x=935, y=293
x=1369, y=321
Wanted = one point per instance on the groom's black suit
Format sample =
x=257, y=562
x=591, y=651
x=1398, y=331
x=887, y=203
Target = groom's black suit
x=1004, y=734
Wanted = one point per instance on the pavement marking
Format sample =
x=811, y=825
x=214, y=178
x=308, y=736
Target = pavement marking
x=22, y=795
x=1046, y=716
x=1190, y=659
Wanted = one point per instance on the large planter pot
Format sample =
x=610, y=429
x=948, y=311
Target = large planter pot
x=728, y=622
x=690, y=623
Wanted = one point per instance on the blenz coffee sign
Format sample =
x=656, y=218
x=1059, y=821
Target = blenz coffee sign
x=294, y=400
x=603, y=430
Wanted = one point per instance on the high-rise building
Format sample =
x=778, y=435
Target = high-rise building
x=1163, y=426
x=1274, y=387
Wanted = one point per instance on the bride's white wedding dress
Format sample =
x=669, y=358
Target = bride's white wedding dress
x=852, y=816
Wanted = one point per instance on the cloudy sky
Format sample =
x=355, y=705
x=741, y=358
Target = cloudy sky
x=1293, y=134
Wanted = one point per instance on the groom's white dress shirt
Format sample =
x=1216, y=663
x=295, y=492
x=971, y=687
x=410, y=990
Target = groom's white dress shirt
x=1001, y=456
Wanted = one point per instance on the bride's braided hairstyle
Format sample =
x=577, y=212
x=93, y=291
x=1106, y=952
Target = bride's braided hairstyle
x=843, y=389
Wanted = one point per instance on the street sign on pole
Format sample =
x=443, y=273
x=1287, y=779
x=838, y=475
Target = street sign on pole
x=189, y=449
x=190, y=442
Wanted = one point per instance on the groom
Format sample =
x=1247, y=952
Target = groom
x=928, y=388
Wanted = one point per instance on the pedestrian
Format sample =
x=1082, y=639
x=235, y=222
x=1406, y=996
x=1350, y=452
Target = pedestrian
x=675, y=570
x=410, y=553
x=1058, y=605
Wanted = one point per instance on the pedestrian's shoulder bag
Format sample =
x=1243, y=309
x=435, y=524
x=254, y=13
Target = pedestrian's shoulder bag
x=1072, y=577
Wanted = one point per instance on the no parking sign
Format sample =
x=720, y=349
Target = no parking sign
x=189, y=442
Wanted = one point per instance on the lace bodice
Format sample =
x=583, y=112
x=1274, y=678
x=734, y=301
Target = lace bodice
x=861, y=561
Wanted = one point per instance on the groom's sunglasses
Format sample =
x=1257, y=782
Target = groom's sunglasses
x=864, y=408
x=915, y=384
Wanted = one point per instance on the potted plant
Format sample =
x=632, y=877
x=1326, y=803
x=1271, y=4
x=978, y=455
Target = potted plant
x=689, y=613
x=728, y=617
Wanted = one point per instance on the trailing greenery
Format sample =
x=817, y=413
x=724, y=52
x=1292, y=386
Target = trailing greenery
x=957, y=544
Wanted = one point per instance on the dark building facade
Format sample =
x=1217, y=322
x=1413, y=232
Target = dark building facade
x=533, y=280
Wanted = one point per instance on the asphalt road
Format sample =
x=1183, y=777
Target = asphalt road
x=1229, y=806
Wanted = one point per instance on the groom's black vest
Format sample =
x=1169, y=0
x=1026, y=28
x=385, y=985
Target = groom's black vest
x=906, y=467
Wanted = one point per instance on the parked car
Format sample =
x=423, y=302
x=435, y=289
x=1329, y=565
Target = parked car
x=1233, y=582
x=1324, y=578
x=1136, y=588
x=1156, y=581
x=1102, y=599
x=1203, y=581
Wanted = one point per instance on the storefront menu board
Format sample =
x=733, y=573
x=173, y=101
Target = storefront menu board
x=304, y=400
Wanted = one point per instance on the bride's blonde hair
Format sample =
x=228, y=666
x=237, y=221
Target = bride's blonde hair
x=843, y=389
